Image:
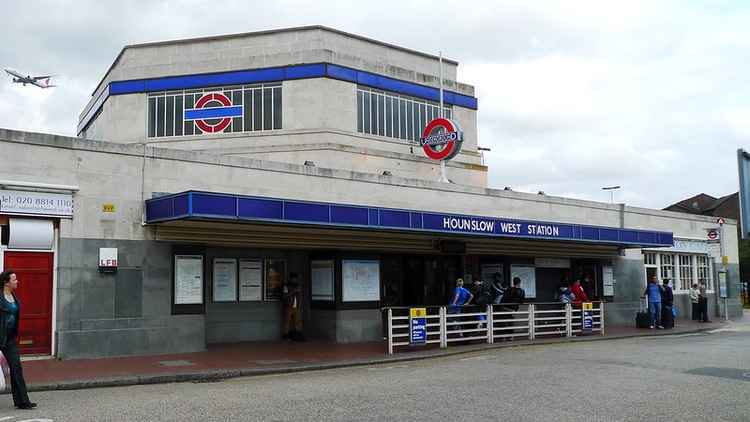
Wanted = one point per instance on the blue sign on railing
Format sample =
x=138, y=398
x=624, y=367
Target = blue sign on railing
x=418, y=326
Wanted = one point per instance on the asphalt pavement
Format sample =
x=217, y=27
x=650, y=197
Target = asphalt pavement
x=690, y=377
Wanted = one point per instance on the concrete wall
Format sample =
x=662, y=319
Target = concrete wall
x=346, y=326
x=128, y=312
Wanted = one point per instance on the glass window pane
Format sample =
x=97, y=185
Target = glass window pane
x=178, y=115
x=359, y=111
x=247, y=114
x=403, y=121
x=373, y=114
x=277, y=107
x=160, y=113
x=415, y=120
x=189, y=125
x=381, y=115
x=236, y=121
x=151, y=117
x=170, y=116
x=258, y=109
x=366, y=116
x=267, y=109
x=389, y=117
x=422, y=119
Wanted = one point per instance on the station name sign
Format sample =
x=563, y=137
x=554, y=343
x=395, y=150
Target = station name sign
x=36, y=203
x=496, y=226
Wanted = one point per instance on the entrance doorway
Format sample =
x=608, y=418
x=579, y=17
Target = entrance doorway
x=419, y=280
x=34, y=271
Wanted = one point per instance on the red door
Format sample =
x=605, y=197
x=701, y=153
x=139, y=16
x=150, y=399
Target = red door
x=34, y=272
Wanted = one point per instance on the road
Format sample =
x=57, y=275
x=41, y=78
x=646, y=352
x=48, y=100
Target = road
x=670, y=378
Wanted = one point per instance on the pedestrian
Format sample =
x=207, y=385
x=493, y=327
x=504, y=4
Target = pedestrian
x=514, y=296
x=703, y=300
x=579, y=293
x=292, y=297
x=10, y=311
x=497, y=286
x=667, y=302
x=653, y=294
x=482, y=297
x=460, y=298
x=695, y=301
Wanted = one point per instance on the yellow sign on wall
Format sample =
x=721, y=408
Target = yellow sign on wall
x=108, y=208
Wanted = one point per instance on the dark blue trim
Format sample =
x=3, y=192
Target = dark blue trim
x=219, y=206
x=213, y=112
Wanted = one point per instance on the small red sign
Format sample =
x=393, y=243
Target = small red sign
x=713, y=234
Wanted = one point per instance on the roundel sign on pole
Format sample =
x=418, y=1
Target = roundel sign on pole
x=213, y=112
x=713, y=234
x=442, y=139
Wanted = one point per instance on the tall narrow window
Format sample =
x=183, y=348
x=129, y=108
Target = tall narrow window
x=151, y=117
x=160, y=115
x=277, y=113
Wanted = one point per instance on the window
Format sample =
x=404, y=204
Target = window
x=649, y=258
x=667, y=266
x=254, y=108
x=686, y=272
x=394, y=116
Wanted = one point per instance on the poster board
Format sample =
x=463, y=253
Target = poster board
x=275, y=278
x=188, y=279
x=251, y=280
x=527, y=274
x=321, y=273
x=608, y=280
x=225, y=280
x=360, y=281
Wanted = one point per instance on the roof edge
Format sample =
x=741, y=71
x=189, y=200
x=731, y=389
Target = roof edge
x=264, y=32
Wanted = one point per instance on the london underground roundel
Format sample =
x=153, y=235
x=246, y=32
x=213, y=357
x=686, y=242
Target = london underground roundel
x=442, y=139
x=213, y=112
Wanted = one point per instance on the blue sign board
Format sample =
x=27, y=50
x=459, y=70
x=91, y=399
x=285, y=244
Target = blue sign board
x=587, y=315
x=217, y=206
x=418, y=326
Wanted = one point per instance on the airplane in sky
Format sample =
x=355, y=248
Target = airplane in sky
x=40, y=81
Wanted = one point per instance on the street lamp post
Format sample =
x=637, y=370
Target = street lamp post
x=611, y=190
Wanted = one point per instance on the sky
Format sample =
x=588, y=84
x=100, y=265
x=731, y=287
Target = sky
x=653, y=96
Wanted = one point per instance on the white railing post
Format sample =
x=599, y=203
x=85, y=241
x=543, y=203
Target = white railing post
x=531, y=322
x=601, y=317
x=490, y=326
x=390, y=331
x=443, y=329
x=568, y=320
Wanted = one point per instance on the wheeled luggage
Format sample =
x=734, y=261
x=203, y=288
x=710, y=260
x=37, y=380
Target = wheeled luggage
x=643, y=317
x=667, y=318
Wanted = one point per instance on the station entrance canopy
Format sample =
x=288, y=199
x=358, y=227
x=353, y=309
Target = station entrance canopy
x=290, y=214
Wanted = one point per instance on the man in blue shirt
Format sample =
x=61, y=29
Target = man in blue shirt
x=460, y=297
x=653, y=294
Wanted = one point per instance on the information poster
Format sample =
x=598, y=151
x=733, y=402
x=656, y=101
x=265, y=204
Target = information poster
x=418, y=326
x=188, y=279
x=251, y=280
x=608, y=280
x=527, y=274
x=225, y=280
x=360, y=280
x=722, y=284
x=275, y=278
x=321, y=273
x=489, y=272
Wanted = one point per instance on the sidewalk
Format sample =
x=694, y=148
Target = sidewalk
x=244, y=359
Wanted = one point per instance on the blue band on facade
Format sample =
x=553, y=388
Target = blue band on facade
x=206, y=205
x=213, y=112
x=278, y=74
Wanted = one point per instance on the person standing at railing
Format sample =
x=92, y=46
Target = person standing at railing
x=482, y=297
x=461, y=297
x=513, y=297
x=695, y=301
x=579, y=293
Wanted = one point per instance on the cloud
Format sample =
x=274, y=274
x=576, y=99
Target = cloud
x=653, y=96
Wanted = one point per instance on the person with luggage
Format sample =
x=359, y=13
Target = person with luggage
x=498, y=288
x=482, y=297
x=653, y=294
x=667, y=302
x=695, y=301
x=703, y=303
x=579, y=293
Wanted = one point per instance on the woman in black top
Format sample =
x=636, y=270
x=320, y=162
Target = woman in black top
x=9, y=315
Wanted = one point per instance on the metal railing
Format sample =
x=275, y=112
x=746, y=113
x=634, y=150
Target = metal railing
x=444, y=325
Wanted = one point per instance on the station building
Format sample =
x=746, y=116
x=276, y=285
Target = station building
x=208, y=170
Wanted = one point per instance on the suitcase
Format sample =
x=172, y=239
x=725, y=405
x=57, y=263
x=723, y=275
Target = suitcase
x=643, y=317
x=667, y=319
